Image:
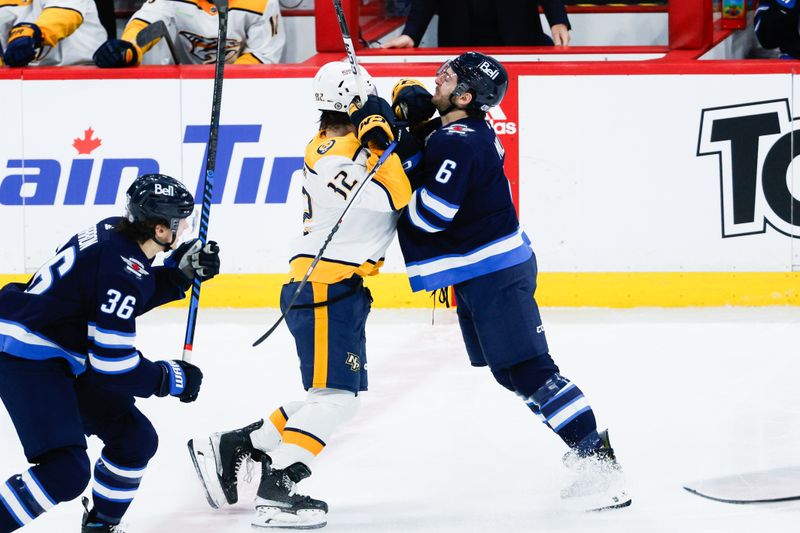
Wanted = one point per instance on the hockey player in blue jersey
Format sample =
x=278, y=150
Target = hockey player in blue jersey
x=68, y=362
x=776, y=26
x=461, y=229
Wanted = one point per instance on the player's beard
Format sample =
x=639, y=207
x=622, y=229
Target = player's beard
x=440, y=101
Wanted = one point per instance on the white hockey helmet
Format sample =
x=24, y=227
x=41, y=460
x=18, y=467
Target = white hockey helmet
x=335, y=86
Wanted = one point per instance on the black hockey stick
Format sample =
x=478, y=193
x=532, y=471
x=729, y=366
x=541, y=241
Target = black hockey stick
x=211, y=163
x=157, y=30
x=333, y=231
x=362, y=97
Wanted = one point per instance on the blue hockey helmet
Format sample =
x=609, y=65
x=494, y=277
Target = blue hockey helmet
x=159, y=198
x=483, y=76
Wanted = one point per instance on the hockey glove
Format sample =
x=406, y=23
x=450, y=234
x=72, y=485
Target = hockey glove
x=374, y=122
x=193, y=258
x=411, y=102
x=116, y=53
x=180, y=379
x=408, y=150
x=24, y=44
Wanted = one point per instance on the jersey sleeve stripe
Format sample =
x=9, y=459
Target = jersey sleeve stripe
x=417, y=219
x=111, y=339
x=438, y=206
x=107, y=365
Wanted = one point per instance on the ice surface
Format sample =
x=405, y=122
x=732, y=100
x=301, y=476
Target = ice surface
x=439, y=446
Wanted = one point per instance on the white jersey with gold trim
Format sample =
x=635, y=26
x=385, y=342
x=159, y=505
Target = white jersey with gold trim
x=255, y=31
x=72, y=26
x=334, y=168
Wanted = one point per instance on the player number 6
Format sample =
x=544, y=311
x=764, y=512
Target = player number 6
x=445, y=171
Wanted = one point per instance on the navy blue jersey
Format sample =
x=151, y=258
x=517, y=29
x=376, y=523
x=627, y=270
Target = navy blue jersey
x=776, y=25
x=82, y=306
x=461, y=222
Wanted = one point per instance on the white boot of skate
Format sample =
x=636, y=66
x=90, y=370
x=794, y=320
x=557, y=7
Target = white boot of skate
x=598, y=481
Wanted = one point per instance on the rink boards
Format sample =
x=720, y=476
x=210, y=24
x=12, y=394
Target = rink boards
x=645, y=183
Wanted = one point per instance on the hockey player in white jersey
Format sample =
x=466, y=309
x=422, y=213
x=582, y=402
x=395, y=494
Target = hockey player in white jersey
x=328, y=320
x=49, y=32
x=255, y=34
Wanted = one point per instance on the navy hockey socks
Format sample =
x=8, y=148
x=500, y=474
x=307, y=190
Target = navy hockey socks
x=561, y=405
x=113, y=490
x=60, y=476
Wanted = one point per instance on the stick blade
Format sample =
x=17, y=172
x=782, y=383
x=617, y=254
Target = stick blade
x=150, y=33
x=777, y=485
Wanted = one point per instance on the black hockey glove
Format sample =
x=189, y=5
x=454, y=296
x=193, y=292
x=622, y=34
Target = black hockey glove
x=411, y=102
x=374, y=123
x=409, y=150
x=24, y=44
x=180, y=379
x=193, y=258
x=116, y=53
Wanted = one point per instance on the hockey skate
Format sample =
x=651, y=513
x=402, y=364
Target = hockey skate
x=599, y=482
x=278, y=506
x=90, y=524
x=218, y=460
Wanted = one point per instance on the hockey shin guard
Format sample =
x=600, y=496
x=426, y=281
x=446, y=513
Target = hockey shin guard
x=561, y=405
x=269, y=435
x=114, y=488
x=60, y=476
x=307, y=431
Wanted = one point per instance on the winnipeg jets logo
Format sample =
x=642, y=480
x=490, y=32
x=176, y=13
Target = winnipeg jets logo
x=353, y=361
x=135, y=267
x=458, y=129
x=205, y=49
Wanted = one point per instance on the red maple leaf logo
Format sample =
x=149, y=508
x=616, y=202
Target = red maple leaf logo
x=87, y=144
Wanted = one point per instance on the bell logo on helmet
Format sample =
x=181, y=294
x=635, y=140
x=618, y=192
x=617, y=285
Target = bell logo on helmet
x=487, y=69
x=164, y=191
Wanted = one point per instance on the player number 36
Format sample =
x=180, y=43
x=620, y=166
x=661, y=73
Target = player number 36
x=125, y=308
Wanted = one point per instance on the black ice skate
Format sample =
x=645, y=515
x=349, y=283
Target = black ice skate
x=279, y=507
x=90, y=523
x=218, y=459
x=599, y=481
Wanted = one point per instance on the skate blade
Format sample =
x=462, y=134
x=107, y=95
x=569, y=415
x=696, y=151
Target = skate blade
x=206, y=468
x=599, y=502
x=278, y=518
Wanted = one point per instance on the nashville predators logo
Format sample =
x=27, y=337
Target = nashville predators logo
x=205, y=49
x=353, y=361
x=325, y=147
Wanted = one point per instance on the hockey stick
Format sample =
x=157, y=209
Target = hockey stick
x=211, y=163
x=333, y=231
x=362, y=97
x=157, y=30
x=350, y=50
x=769, y=486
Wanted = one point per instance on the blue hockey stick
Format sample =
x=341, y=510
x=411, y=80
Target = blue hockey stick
x=211, y=163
